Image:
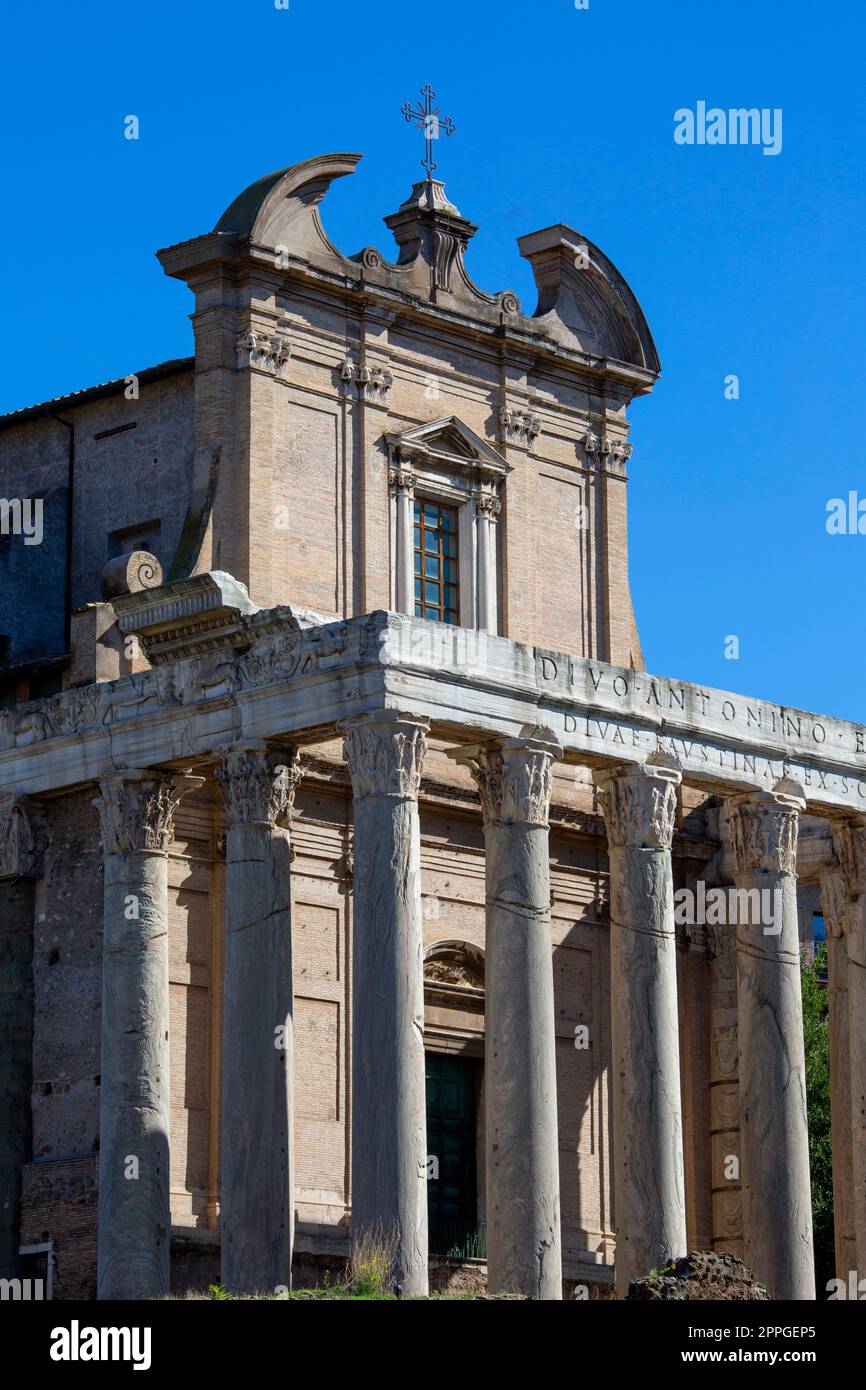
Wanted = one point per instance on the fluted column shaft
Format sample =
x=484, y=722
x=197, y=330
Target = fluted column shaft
x=385, y=753
x=256, y=1189
x=639, y=806
x=21, y=844
x=777, y=1207
x=524, y=1241
x=133, y=1241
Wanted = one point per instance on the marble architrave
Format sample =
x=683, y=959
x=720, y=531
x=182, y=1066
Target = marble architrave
x=280, y=674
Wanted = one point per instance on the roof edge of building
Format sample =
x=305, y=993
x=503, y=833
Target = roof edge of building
x=174, y=366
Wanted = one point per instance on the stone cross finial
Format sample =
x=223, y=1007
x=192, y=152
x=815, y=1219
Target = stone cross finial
x=428, y=119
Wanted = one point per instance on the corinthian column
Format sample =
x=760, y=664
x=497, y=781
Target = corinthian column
x=852, y=854
x=487, y=508
x=403, y=482
x=136, y=812
x=385, y=752
x=21, y=852
x=838, y=909
x=524, y=1253
x=639, y=807
x=777, y=1206
x=256, y=1192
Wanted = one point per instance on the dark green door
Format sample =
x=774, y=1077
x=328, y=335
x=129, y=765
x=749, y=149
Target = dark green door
x=452, y=1194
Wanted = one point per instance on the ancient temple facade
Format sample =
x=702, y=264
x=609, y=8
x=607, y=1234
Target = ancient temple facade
x=357, y=881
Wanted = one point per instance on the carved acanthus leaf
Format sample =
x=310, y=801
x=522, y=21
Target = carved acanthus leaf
x=488, y=504
x=264, y=352
x=513, y=778
x=605, y=451
x=639, y=805
x=385, y=755
x=136, y=811
x=363, y=383
x=258, y=784
x=763, y=831
x=520, y=427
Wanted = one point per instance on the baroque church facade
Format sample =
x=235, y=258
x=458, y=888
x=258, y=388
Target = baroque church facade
x=340, y=820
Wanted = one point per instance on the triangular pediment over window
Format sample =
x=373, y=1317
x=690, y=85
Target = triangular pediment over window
x=448, y=443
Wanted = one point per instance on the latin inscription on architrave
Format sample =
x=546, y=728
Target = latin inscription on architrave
x=718, y=737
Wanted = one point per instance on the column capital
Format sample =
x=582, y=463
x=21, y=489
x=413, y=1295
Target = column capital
x=488, y=505
x=258, y=783
x=136, y=809
x=402, y=478
x=763, y=828
x=850, y=837
x=513, y=775
x=385, y=753
x=639, y=802
x=835, y=901
x=22, y=837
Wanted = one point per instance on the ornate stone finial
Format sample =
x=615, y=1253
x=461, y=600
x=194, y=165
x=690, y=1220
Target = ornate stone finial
x=385, y=753
x=136, y=810
x=429, y=226
x=22, y=838
x=763, y=828
x=639, y=802
x=513, y=775
x=258, y=783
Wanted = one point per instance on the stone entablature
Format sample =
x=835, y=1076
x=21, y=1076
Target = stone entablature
x=270, y=675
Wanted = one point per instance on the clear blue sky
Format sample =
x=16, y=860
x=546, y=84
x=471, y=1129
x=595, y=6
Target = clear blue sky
x=743, y=263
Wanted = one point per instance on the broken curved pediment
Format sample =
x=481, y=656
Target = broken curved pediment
x=584, y=303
